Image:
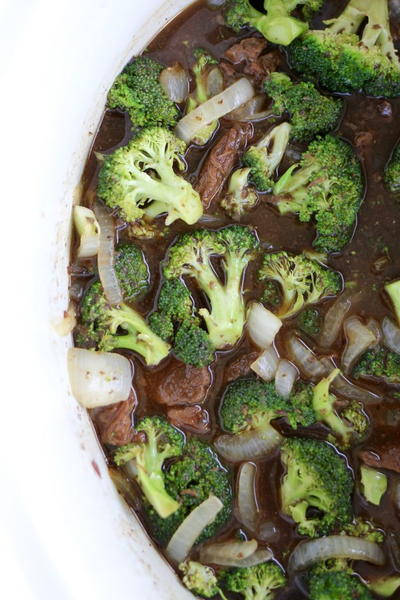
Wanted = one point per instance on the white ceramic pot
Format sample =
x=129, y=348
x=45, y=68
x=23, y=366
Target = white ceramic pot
x=67, y=534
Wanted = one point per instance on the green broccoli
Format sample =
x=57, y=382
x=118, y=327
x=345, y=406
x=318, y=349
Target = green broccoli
x=240, y=197
x=253, y=583
x=385, y=586
x=163, y=441
x=351, y=55
x=265, y=157
x=374, y=484
x=190, y=480
x=309, y=111
x=132, y=270
x=337, y=586
x=327, y=184
x=200, y=579
x=139, y=179
x=393, y=291
x=201, y=69
x=379, y=363
x=392, y=171
x=362, y=529
x=191, y=255
x=138, y=91
x=317, y=488
x=310, y=321
x=302, y=281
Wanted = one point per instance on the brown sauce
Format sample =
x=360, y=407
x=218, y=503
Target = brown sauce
x=376, y=237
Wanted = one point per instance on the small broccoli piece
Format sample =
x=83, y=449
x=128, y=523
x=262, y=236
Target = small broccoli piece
x=103, y=322
x=265, y=157
x=363, y=529
x=254, y=583
x=201, y=69
x=310, y=321
x=200, y=579
x=144, y=230
x=380, y=363
x=326, y=185
x=351, y=55
x=138, y=91
x=139, y=179
x=162, y=325
x=163, y=441
x=191, y=255
x=192, y=345
x=302, y=281
x=392, y=171
x=240, y=197
x=393, y=291
x=337, y=586
x=190, y=480
x=309, y=111
x=317, y=488
x=385, y=586
x=374, y=484
x=132, y=270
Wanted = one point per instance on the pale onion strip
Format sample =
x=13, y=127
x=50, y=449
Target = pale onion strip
x=391, y=335
x=250, y=111
x=285, y=378
x=260, y=556
x=248, y=444
x=334, y=546
x=247, y=507
x=266, y=364
x=358, y=339
x=175, y=82
x=98, y=378
x=349, y=390
x=215, y=3
x=304, y=358
x=216, y=107
x=375, y=328
x=215, y=82
x=88, y=230
x=105, y=257
x=333, y=320
x=189, y=530
x=262, y=325
x=227, y=553
x=66, y=325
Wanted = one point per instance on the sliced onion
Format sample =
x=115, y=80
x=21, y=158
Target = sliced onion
x=349, y=390
x=285, y=378
x=98, y=378
x=67, y=323
x=334, y=546
x=189, y=530
x=215, y=82
x=105, y=257
x=359, y=338
x=248, y=444
x=232, y=97
x=260, y=556
x=304, y=358
x=215, y=3
x=89, y=231
x=227, y=553
x=252, y=110
x=262, y=325
x=246, y=499
x=333, y=320
x=391, y=335
x=375, y=329
x=268, y=532
x=175, y=82
x=266, y=364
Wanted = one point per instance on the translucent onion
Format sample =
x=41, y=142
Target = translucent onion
x=105, y=257
x=246, y=499
x=98, y=378
x=227, y=553
x=248, y=444
x=260, y=556
x=333, y=320
x=285, y=378
x=359, y=338
x=252, y=110
x=391, y=335
x=65, y=325
x=304, y=358
x=88, y=230
x=375, y=328
x=215, y=3
x=216, y=107
x=266, y=364
x=175, y=82
x=349, y=390
x=215, y=82
x=262, y=325
x=334, y=546
x=189, y=530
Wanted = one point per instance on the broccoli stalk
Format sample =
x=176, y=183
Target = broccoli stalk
x=392, y=171
x=139, y=179
x=393, y=291
x=200, y=579
x=201, y=69
x=240, y=197
x=254, y=583
x=265, y=157
x=374, y=484
x=162, y=442
x=385, y=586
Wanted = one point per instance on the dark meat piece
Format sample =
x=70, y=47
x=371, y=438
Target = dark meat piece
x=387, y=457
x=182, y=384
x=240, y=366
x=256, y=66
x=229, y=73
x=248, y=49
x=114, y=422
x=191, y=418
x=384, y=108
x=220, y=161
x=363, y=138
x=271, y=61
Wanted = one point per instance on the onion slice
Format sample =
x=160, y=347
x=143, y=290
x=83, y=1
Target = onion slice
x=359, y=338
x=189, y=530
x=304, y=358
x=247, y=507
x=285, y=378
x=232, y=97
x=260, y=556
x=248, y=444
x=334, y=546
x=227, y=553
x=105, y=257
x=333, y=320
x=175, y=82
x=98, y=378
x=252, y=110
x=66, y=325
x=88, y=230
x=266, y=364
x=262, y=325
x=391, y=335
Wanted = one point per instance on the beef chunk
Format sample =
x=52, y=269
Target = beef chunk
x=182, y=384
x=240, y=366
x=387, y=457
x=191, y=418
x=114, y=422
x=248, y=49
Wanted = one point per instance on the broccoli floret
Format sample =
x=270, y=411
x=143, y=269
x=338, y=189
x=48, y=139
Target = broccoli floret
x=191, y=255
x=254, y=583
x=138, y=91
x=309, y=111
x=355, y=52
x=240, y=197
x=363, y=529
x=302, y=281
x=139, y=179
x=190, y=480
x=392, y=171
x=380, y=363
x=326, y=185
x=337, y=586
x=163, y=441
x=265, y=157
x=393, y=291
x=145, y=230
x=192, y=345
x=103, y=322
x=310, y=321
x=132, y=270
x=201, y=69
x=317, y=488
x=374, y=484
x=200, y=579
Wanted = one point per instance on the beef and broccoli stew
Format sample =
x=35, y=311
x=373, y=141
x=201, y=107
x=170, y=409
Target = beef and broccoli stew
x=235, y=281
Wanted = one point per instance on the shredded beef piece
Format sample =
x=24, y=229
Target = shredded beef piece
x=248, y=49
x=363, y=138
x=271, y=61
x=114, y=422
x=387, y=457
x=229, y=73
x=384, y=108
x=240, y=366
x=193, y=418
x=220, y=161
x=182, y=384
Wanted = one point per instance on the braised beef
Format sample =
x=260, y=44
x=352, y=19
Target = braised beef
x=114, y=422
x=190, y=418
x=240, y=366
x=386, y=457
x=182, y=384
